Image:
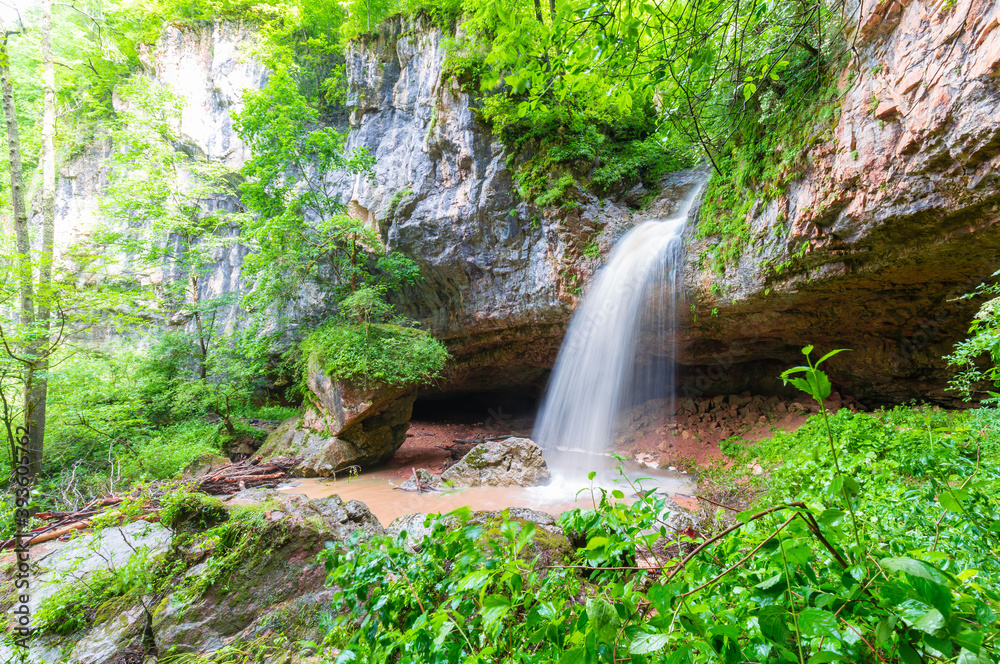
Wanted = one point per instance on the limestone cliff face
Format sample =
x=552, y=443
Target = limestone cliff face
x=207, y=68
x=895, y=218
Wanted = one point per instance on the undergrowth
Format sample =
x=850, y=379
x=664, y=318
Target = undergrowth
x=762, y=159
x=873, y=539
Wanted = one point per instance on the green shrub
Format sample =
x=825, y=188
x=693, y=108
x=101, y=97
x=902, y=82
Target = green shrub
x=376, y=353
x=165, y=453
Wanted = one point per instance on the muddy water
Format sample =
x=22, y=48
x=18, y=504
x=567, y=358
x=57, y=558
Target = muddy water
x=378, y=489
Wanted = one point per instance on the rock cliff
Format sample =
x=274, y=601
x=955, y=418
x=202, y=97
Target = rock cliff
x=893, y=219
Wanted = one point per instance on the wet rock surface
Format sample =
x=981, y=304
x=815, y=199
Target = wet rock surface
x=421, y=480
x=508, y=462
x=684, y=433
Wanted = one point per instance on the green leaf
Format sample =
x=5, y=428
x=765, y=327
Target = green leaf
x=817, y=622
x=601, y=614
x=831, y=354
x=660, y=597
x=577, y=655
x=851, y=486
x=443, y=632
x=773, y=624
x=909, y=655
x=826, y=656
x=617, y=494
x=769, y=583
x=474, y=580
x=969, y=657
x=913, y=567
x=884, y=630
x=644, y=643
x=495, y=607
x=950, y=503
x=930, y=622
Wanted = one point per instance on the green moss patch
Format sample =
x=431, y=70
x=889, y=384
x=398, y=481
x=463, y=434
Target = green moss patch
x=375, y=353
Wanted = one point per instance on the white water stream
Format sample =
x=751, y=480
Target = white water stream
x=598, y=373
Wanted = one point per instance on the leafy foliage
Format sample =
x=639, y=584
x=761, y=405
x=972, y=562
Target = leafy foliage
x=301, y=233
x=785, y=581
x=978, y=357
x=374, y=353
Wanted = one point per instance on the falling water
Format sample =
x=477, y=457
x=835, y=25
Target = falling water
x=599, y=372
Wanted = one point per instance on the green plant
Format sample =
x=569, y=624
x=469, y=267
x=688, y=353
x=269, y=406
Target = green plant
x=188, y=510
x=592, y=250
x=816, y=384
x=783, y=581
x=374, y=353
x=984, y=341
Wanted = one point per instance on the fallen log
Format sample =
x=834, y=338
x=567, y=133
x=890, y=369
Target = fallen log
x=45, y=534
x=246, y=474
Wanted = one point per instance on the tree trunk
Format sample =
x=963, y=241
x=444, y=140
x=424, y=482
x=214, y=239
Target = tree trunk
x=40, y=388
x=24, y=267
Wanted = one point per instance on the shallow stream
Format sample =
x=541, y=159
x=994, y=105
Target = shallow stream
x=378, y=489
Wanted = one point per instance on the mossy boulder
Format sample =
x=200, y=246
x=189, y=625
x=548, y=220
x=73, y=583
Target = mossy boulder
x=274, y=581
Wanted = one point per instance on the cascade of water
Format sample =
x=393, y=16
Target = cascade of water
x=598, y=374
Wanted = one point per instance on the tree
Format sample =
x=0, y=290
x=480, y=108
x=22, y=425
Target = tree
x=29, y=344
x=710, y=65
x=167, y=212
x=300, y=232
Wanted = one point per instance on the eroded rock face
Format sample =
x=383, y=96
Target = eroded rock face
x=343, y=424
x=509, y=462
x=895, y=218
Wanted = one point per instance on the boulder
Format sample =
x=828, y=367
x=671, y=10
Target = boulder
x=509, y=462
x=210, y=596
x=278, y=586
x=343, y=424
x=118, y=625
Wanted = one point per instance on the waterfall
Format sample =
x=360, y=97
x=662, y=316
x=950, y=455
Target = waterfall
x=600, y=372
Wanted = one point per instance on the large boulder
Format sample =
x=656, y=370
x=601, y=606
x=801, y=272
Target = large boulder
x=509, y=462
x=279, y=586
x=344, y=424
